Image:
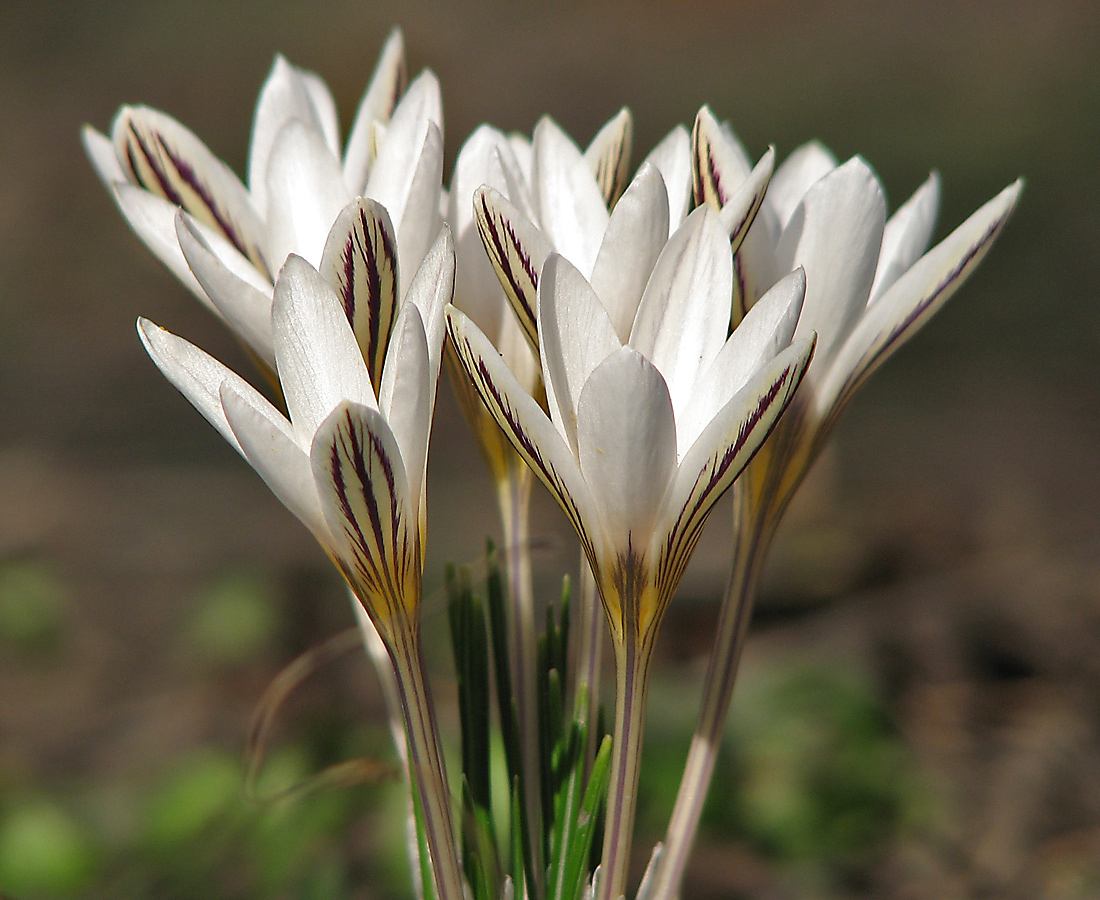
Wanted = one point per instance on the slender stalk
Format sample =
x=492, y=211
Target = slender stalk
x=753, y=537
x=632, y=658
x=589, y=645
x=513, y=498
x=426, y=763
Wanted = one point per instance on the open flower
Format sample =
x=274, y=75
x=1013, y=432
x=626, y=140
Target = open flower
x=872, y=283
x=226, y=241
x=644, y=435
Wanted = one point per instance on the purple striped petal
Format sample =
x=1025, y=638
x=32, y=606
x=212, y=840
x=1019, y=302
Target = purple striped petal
x=719, y=163
x=609, y=156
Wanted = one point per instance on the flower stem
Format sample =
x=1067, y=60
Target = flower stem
x=632, y=658
x=426, y=763
x=590, y=628
x=751, y=543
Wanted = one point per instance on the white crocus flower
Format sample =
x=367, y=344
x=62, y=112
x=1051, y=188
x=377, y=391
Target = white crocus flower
x=349, y=459
x=225, y=240
x=644, y=435
x=872, y=283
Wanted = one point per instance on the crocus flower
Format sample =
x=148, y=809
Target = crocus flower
x=872, y=283
x=643, y=436
x=349, y=459
x=226, y=241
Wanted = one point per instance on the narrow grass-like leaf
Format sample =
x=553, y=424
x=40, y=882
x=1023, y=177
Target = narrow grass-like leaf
x=587, y=823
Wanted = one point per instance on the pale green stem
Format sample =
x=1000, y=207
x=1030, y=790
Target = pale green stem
x=632, y=658
x=589, y=631
x=426, y=763
x=752, y=539
x=513, y=498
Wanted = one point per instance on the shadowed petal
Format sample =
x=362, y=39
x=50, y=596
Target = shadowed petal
x=569, y=203
x=517, y=250
x=360, y=261
x=907, y=235
x=720, y=165
x=420, y=218
x=576, y=337
x=319, y=360
x=635, y=236
x=626, y=443
x=672, y=158
x=711, y=464
x=608, y=156
x=835, y=234
x=915, y=296
x=165, y=158
x=364, y=495
x=386, y=86
x=684, y=314
x=798, y=173
x=231, y=282
x=740, y=210
x=431, y=290
x=101, y=152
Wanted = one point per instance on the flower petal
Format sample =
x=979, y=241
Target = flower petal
x=267, y=441
x=672, y=157
x=799, y=172
x=385, y=88
x=907, y=235
x=364, y=495
x=241, y=295
x=319, y=361
x=635, y=236
x=720, y=164
x=518, y=252
x=765, y=331
x=523, y=421
x=421, y=215
x=570, y=206
x=684, y=314
x=608, y=156
x=712, y=463
x=575, y=334
x=738, y=213
x=360, y=261
x=914, y=297
x=835, y=234
x=305, y=193
x=626, y=446
x=168, y=160
x=101, y=153
x=431, y=290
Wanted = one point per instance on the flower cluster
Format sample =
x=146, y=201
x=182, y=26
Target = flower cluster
x=635, y=340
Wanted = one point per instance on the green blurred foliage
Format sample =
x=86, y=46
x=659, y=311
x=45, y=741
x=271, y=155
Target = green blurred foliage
x=34, y=605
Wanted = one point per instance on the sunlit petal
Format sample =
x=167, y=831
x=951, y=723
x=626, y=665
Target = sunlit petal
x=608, y=156
x=385, y=88
x=907, y=235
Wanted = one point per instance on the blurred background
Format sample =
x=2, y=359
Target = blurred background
x=919, y=711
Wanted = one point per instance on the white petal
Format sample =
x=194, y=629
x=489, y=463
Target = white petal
x=325, y=107
x=672, y=157
x=420, y=218
x=835, y=235
x=635, y=236
x=319, y=361
x=764, y=332
x=608, y=156
x=626, y=442
x=683, y=318
x=523, y=421
x=360, y=261
x=405, y=398
x=431, y=290
x=240, y=293
x=305, y=193
x=907, y=235
x=285, y=97
x=168, y=160
x=268, y=443
x=711, y=464
x=570, y=206
x=799, y=172
x=575, y=336
x=101, y=153
x=154, y=221
x=364, y=494
x=385, y=87
x=740, y=210
x=913, y=298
